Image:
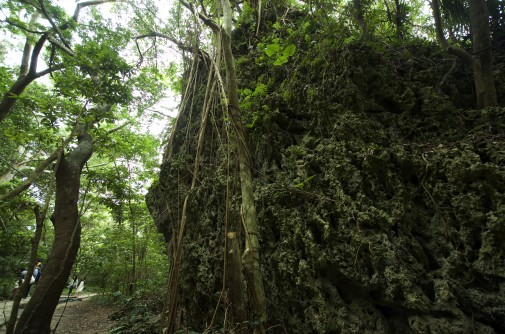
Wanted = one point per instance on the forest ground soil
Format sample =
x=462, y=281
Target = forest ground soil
x=83, y=316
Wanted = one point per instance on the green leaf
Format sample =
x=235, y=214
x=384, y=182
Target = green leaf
x=272, y=49
x=281, y=60
x=277, y=25
x=289, y=50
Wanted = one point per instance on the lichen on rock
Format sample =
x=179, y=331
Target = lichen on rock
x=380, y=198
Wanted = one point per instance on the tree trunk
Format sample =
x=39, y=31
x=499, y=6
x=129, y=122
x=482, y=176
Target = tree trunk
x=37, y=315
x=481, y=59
x=399, y=20
x=40, y=216
x=234, y=282
x=251, y=256
x=483, y=63
x=360, y=19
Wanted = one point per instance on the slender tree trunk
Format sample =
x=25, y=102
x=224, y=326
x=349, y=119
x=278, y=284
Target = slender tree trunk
x=40, y=216
x=234, y=282
x=483, y=63
x=481, y=60
x=36, y=317
x=360, y=19
x=251, y=256
x=399, y=20
x=133, y=279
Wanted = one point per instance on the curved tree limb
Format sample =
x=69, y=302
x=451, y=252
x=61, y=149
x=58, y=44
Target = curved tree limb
x=480, y=61
x=464, y=55
x=31, y=31
x=10, y=98
x=84, y=4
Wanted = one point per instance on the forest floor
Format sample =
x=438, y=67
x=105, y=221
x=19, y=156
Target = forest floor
x=83, y=316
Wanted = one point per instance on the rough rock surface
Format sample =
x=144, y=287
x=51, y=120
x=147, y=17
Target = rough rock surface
x=380, y=195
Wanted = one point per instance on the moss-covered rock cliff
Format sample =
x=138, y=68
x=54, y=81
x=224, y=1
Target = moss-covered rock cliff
x=380, y=192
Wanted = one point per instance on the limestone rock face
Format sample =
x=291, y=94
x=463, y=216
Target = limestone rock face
x=380, y=195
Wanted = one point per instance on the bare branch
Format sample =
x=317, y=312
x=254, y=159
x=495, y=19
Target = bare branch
x=179, y=44
x=48, y=71
x=24, y=28
x=55, y=27
x=206, y=20
x=118, y=127
x=464, y=55
x=87, y=4
x=61, y=46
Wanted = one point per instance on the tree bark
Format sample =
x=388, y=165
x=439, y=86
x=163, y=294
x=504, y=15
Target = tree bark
x=481, y=60
x=40, y=216
x=483, y=63
x=235, y=282
x=37, y=315
x=251, y=256
x=360, y=19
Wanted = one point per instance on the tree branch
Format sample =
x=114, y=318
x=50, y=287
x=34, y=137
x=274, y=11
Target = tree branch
x=62, y=46
x=48, y=71
x=208, y=21
x=24, y=28
x=179, y=44
x=33, y=177
x=87, y=4
x=55, y=27
x=118, y=127
x=464, y=55
x=10, y=98
x=18, y=87
x=25, y=59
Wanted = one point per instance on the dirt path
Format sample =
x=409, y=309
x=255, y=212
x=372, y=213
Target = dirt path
x=83, y=317
x=80, y=316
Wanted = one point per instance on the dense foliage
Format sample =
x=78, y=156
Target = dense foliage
x=120, y=246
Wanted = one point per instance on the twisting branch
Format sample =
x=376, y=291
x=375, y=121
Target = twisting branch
x=446, y=76
x=179, y=44
x=208, y=21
